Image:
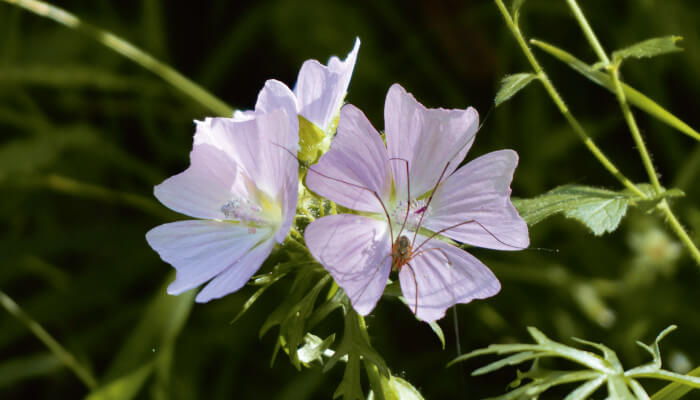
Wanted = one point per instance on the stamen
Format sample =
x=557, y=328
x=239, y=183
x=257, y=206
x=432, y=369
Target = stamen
x=242, y=210
x=416, y=208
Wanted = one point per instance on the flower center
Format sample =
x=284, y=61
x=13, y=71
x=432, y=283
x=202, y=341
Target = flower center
x=254, y=213
x=415, y=209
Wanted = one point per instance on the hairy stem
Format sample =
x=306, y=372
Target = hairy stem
x=577, y=127
x=61, y=354
x=679, y=230
x=128, y=50
x=614, y=72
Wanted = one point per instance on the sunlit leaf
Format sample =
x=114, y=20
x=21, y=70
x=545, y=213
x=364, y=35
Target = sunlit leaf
x=649, y=48
x=512, y=84
x=314, y=348
x=599, y=209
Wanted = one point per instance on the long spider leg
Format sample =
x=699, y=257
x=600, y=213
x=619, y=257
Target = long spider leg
x=408, y=198
x=376, y=195
x=436, y=249
x=469, y=222
x=415, y=281
x=420, y=221
x=362, y=292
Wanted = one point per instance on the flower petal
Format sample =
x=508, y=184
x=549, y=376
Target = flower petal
x=204, y=187
x=356, y=251
x=437, y=285
x=356, y=166
x=480, y=192
x=263, y=147
x=427, y=138
x=237, y=274
x=200, y=250
x=320, y=89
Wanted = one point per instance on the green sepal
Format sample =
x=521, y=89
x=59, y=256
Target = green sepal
x=311, y=141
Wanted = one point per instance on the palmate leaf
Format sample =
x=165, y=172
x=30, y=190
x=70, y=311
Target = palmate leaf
x=620, y=384
x=601, y=210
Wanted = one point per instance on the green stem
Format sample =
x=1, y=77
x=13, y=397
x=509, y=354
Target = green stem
x=634, y=129
x=614, y=72
x=679, y=230
x=61, y=354
x=126, y=49
x=577, y=127
x=588, y=32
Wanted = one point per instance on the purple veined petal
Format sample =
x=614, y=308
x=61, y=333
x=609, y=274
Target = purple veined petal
x=288, y=198
x=275, y=95
x=480, y=191
x=427, y=138
x=356, y=251
x=259, y=146
x=200, y=249
x=236, y=275
x=355, y=167
x=204, y=187
x=441, y=284
x=320, y=89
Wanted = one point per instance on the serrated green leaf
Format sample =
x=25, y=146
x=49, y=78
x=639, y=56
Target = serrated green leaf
x=265, y=281
x=649, y=48
x=293, y=326
x=512, y=84
x=599, y=209
x=633, y=96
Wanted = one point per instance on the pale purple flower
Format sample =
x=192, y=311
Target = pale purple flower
x=472, y=205
x=318, y=93
x=242, y=184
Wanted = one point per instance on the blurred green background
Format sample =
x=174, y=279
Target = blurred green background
x=86, y=134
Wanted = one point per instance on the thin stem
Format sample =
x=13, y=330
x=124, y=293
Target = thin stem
x=61, y=354
x=588, y=32
x=577, y=127
x=634, y=129
x=614, y=72
x=679, y=230
x=128, y=50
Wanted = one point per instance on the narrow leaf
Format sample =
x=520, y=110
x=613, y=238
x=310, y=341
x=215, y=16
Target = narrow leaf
x=649, y=48
x=124, y=388
x=511, y=84
x=675, y=390
x=582, y=392
x=633, y=96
